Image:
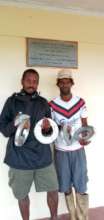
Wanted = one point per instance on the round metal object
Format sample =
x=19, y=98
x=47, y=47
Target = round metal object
x=71, y=139
x=20, y=118
x=43, y=138
x=84, y=133
x=21, y=132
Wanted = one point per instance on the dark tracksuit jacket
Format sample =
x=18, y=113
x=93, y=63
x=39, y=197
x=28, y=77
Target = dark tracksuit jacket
x=33, y=154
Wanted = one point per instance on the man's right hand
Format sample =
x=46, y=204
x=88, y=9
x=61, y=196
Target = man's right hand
x=27, y=124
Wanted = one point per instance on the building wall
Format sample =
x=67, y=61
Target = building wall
x=15, y=25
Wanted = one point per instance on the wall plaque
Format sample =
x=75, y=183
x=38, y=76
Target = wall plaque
x=51, y=53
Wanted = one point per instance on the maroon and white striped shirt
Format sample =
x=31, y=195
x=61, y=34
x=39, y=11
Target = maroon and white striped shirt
x=68, y=113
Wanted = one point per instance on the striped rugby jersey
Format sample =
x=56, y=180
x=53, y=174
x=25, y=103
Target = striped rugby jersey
x=68, y=113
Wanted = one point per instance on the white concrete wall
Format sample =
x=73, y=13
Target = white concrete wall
x=89, y=81
x=12, y=65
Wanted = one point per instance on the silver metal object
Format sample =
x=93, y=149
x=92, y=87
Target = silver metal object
x=67, y=135
x=84, y=133
x=21, y=132
x=20, y=118
x=43, y=138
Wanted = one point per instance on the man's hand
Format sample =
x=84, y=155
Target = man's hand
x=45, y=124
x=22, y=118
x=83, y=142
x=27, y=124
x=46, y=127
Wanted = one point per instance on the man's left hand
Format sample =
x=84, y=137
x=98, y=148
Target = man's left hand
x=45, y=124
x=83, y=142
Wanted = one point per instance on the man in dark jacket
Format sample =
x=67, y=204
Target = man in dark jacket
x=32, y=161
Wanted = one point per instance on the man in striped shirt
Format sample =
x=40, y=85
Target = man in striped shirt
x=70, y=113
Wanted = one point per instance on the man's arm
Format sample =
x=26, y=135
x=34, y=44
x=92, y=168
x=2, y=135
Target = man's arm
x=46, y=126
x=84, y=124
x=7, y=127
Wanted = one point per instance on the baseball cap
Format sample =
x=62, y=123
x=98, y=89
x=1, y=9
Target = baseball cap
x=65, y=73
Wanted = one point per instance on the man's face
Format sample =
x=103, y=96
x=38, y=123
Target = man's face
x=30, y=83
x=65, y=86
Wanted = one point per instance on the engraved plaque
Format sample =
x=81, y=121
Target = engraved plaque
x=52, y=53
